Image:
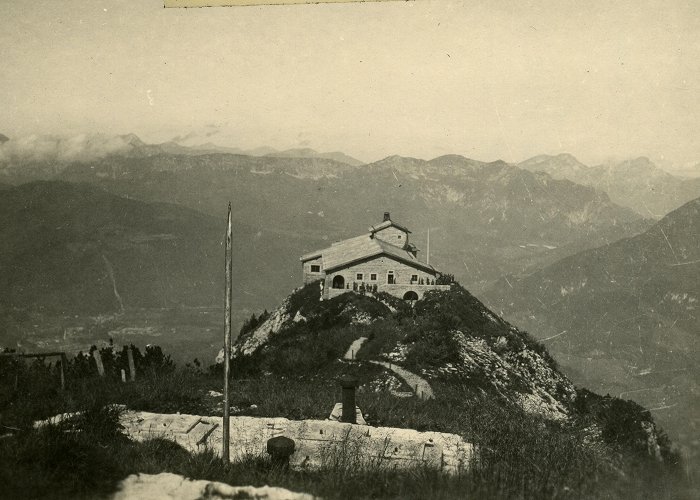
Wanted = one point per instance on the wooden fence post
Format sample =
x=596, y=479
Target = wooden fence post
x=98, y=360
x=63, y=371
x=132, y=366
x=64, y=367
x=42, y=357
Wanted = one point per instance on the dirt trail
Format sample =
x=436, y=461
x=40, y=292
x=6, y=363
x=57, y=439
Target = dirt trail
x=419, y=385
x=354, y=347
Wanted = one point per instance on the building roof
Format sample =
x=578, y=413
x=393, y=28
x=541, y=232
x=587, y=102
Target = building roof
x=385, y=224
x=362, y=247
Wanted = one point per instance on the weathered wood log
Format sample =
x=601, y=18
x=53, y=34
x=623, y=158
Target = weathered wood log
x=132, y=366
x=98, y=361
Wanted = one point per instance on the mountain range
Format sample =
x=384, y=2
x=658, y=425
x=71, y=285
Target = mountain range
x=637, y=183
x=488, y=218
x=211, y=148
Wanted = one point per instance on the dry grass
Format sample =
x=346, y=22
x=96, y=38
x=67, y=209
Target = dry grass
x=520, y=456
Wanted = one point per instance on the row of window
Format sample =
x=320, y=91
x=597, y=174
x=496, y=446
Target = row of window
x=372, y=276
x=390, y=277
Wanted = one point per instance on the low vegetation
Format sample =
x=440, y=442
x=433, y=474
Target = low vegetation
x=598, y=453
x=520, y=456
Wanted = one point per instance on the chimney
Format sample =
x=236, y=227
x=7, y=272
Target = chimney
x=386, y=216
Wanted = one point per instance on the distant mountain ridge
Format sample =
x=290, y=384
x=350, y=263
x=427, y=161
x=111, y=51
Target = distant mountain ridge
x=310, y=153
x=487, y=219
x=210, y=148
x=503, y=218
x=31, y=157
x=637, y=183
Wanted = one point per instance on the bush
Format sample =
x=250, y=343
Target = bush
x=432, y=349
x=625, y=424
x=253, y=322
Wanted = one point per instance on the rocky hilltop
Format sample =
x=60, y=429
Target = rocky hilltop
x=449, y=339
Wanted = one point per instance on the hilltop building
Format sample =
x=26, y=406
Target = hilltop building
x=382, y=260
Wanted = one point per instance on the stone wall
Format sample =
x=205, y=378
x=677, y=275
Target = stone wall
x=318, y=443
x=309, y=275
x=380, y=266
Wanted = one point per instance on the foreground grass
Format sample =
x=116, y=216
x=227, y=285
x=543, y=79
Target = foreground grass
x=519, y=456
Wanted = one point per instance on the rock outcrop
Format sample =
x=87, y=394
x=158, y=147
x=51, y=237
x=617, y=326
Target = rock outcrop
x=167, y=486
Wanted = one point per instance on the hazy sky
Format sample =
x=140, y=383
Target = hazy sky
x=494, y=80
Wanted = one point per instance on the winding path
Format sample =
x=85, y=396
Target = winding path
x=351, y=353
x=419, y=385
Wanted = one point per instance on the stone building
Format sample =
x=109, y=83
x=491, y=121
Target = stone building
x=383, y=259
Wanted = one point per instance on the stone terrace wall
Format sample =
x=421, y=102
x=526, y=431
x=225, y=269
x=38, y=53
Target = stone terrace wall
x=395, y=290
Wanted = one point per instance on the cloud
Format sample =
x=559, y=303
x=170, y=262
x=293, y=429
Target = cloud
x=184, y=138
x=83, y=147
x=207, y=131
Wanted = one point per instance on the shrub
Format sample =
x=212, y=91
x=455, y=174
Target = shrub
x=253, y=322
x=432, y=349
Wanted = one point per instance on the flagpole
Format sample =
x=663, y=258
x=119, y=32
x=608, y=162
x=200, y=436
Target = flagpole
x=227, y=340
x=427, y=253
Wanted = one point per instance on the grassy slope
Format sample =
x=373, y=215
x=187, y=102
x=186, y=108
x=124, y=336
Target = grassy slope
x=520, y=457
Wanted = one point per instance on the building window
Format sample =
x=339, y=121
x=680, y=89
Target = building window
x=390, y=278
x=315, y=269
x=359, y=276
x=414, y=277
x=373, y=277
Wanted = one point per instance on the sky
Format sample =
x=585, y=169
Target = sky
x=488, y=80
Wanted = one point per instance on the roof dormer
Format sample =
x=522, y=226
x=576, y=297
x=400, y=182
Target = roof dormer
x=390, y=232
